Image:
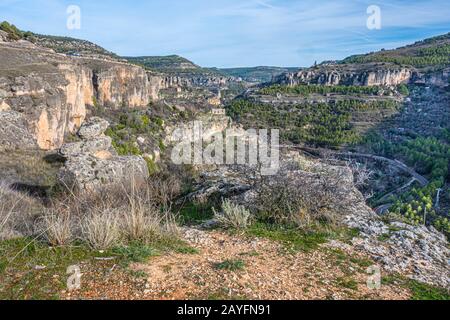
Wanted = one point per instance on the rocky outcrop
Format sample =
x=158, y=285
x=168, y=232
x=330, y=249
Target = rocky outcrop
x=14, y=132
x=204, y=127
x=118, y=84
x=419, y=252
x=92, y=163
x=3, y=36
x=52, y=91
x=204, y=81
x=45, y=88
x=358, y=75
x=439, y=78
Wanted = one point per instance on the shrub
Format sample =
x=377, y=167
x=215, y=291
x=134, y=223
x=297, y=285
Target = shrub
x=230, y=265
x=403, y=89
x=140, y=223
x=303, y=199
x=11, y=30
x=233, y=216
x=144, y=219
x=102, y=230
x=101, y=218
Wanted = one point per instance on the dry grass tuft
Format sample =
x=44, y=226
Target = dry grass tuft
x=103, y=218
x=18, y=213
x=102, y=229
x=57, y=227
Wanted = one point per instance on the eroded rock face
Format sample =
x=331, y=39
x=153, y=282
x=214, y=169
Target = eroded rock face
x=14, y=132
x=417, y=251
x=92, y=163
x=93, y=128
x=438, y=78
x=196, y=81
x=358, y=75
x=189, y=131
x=52, y=90
x=3, y=36
x=120, y=84
x=46, y=89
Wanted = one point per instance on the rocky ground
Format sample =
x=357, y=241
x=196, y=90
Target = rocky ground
x=233, y=266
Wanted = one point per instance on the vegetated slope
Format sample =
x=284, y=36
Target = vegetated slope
x=172, y=64
x=315, y=107
x=59, y=44
x=164, y=63
x=260, y=74
x=419, y=136
x=326, y=124
x=69, y=45
x=12, y=32
x=429, y=53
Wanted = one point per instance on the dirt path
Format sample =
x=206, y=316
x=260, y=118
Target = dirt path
x=267, y=270
x=257, y=269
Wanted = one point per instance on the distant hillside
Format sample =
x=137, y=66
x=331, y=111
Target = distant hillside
x=59, y=44
x=429, y=53
x=69, y=45
x=173, y=64
x=257, y=74
x=164, y=63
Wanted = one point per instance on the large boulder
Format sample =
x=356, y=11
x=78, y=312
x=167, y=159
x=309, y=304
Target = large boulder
x=93, y=128
x=3, y=36
x=92, y=163
x=88, y=173
x=101, y=145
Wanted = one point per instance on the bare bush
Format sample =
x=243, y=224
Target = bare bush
x=233, y=215
x=362, y=174
x=302, y=198
x=162, y=190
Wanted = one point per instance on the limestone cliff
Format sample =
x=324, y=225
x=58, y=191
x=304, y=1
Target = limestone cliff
x=358, y=75
x=440, y=78
x=195, y=81
x=51, y=91
x=118, y=84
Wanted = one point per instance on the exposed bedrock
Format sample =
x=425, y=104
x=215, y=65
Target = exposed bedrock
x=359, y=75
x=51, y=91
x=92, y=164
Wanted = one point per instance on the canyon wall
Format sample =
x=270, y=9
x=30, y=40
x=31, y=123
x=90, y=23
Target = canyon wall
x=358, y=75
x=192, y=80
x=49, y=92
x=440, y=78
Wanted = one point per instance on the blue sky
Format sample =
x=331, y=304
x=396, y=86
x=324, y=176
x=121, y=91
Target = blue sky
x=232, y=33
